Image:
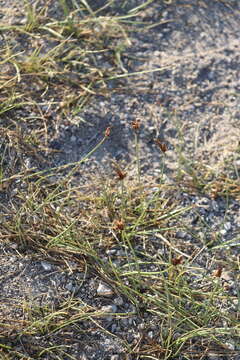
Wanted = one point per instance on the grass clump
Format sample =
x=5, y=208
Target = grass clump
x=153, y=272
x=121, y=229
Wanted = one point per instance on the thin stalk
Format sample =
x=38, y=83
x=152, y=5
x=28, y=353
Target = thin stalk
x=136, y=135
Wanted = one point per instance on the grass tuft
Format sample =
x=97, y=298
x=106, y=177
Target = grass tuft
x=51, y=68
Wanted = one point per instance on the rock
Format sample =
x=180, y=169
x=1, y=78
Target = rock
x=118, y=301
x=227, y=226
x=104, y=290
x=181, y=234
x=114, y=357
x=46, y=266
x=109, y=308
x=215, y=206
x=69, y=286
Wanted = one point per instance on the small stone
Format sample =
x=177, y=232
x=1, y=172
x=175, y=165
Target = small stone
x=14, y=246
x=215, y=206
x=118, y=202
x=28, y=163
x=114, y=357
x=213, y=356
x=150, y=334
x=111, y=251
x=104, y=290
x=141, y=326
x=73, y=138
x=181, y=234
x=230, y=346
x=227, y=226
x=203, y=201
x=120, y=252
x=194, y=19
x=118, y=301
x=69, y=286
x=109, y=308
x=46, y=266
x=14, y=192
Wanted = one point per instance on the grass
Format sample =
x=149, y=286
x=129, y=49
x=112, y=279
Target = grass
x=190, y=313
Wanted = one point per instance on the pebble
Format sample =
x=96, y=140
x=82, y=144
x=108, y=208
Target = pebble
x=118, y=202
x=141, y=326
x=227, y=226
x=194, y=19
x=203, y=201
x=70, y=287
x=230, y=346
x=46, y=266
x=111, y=251
x=109, y=308
x=73, y=138
x=150, y=334
x=223, y=232
x=215, y=206
x=104, y=290
x=114, y=357
x=118, y=301
x=181, y=234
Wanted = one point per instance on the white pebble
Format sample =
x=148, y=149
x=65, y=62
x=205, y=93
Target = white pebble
x=104, y=290
x=46, y=266
x=109, y=308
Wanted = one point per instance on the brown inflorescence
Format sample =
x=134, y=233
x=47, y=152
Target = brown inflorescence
x=136, y=125
x=108, y=131
x=177, y=261
x=162, y=146
x=119, y=224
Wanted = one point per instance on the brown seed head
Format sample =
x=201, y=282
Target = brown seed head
x=136, y=125
x=108, y=131
x=218, y=272
x=178, y=260
x=119, y=224
x=162, y=146
x=120, y=173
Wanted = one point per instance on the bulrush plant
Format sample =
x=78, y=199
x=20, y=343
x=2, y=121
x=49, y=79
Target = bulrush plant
x=154, y=272
x=119, y=229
